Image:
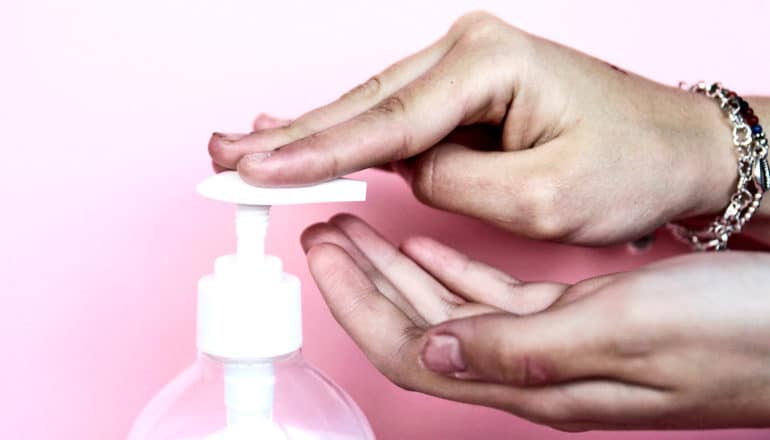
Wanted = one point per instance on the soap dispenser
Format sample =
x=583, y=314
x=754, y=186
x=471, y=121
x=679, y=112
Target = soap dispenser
x=249, y=380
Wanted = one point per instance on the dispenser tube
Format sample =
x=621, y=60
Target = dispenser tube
x=251, y=228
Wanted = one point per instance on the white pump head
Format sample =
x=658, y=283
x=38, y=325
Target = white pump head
x=248, y=308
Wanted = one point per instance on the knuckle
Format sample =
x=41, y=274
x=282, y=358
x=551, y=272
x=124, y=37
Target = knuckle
x=396, y=365
x=507, y=43
x=318, y=164
x=551, y=226
x=392, y=112
x=509, y=367
x=392, y=105
x=632, y=317
x=370, y=88
x=481, y=27
x=541, y=204
x=330, y=166
x=632, y=342
x=469, y=19
x=521, y=370
x=297, y=128
x=508, y=362
x=357, y=306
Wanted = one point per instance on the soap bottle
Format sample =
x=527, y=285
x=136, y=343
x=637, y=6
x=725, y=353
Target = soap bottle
x=249, y=380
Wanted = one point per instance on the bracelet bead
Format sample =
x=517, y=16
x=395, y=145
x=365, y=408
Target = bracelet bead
x=753, y=172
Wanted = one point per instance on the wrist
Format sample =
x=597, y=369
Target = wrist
x=716, y=172
x=710, y=162
x=713, y=192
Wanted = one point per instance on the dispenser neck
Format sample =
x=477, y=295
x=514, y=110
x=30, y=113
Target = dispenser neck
x=249, y=307
x=251, y=228
x=249, y=386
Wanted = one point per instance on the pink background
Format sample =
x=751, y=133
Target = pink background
x=105, y=110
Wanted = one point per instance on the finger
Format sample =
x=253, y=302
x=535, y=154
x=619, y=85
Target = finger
x=479, y=282
x=392, y=342
x=216, y=142
x=566, y=344
x=329, y=233
x=263, y=121
x=366, y=315
x=522, y=191
x=428, y=297
x=217, y=168
x=352, y=103
x=408, y=122
x=584, y=288
x=472, y=309
x=490, y=185
x=477, y=136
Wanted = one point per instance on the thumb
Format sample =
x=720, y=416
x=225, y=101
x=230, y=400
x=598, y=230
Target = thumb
x=517, y=190
x=551, y=347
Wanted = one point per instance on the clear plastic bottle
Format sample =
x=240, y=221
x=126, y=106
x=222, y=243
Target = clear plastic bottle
x=306, y=405
x=250, y=380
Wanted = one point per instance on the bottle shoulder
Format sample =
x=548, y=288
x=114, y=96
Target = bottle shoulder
x=305, y=403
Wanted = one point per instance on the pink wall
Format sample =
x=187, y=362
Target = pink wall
x=105, y=112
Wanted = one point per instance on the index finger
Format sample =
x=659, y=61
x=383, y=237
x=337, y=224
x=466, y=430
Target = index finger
x=352, y=103
x=393, y=343
x=408, y=122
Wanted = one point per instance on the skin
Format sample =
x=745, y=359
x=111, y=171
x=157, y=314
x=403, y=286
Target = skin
x=682, y=343
x=549, y=143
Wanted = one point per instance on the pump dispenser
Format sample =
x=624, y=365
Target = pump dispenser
x=250, y=381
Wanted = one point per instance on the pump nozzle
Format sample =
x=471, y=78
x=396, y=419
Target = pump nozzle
x=249, y=308
x=253, y=210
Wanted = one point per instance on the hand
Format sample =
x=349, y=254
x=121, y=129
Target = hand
x=263, y=121
x=682, y=343
x=495, y=123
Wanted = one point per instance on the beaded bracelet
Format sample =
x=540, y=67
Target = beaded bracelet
x=753, y=172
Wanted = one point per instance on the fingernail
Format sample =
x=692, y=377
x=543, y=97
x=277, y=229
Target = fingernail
x=228, y=137
x=442, y=355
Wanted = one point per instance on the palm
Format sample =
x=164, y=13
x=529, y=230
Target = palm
x=640, y=349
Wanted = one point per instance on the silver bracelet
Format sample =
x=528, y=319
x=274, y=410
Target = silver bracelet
x=753, y=172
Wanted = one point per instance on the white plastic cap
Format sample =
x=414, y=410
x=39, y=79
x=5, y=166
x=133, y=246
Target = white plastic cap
x=249, y=308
